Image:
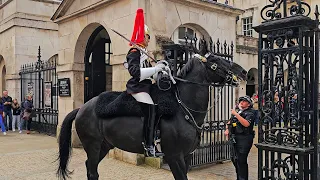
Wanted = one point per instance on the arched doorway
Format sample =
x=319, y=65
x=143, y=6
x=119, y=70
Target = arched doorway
x=252, y=82
x=3, y=74
x=98, y=71
x=4, y=71
x=188, y=32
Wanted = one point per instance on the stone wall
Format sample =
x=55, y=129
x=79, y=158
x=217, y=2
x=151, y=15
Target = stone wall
x=247, y=56
x=25, y=25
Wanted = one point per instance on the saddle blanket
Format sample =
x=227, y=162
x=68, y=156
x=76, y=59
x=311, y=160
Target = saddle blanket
x=110, y=104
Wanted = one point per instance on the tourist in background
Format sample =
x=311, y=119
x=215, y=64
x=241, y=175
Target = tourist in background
x=26, y=112
x=16, y=115
x=3, y=128
x=256, y=108
x=7, y=101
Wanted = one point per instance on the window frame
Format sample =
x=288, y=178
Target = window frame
x=186, y=29
x=247, y=29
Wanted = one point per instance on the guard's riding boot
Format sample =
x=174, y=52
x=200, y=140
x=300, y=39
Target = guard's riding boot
x=149, y=111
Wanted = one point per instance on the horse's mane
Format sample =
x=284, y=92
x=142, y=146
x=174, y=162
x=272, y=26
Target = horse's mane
x=187, y=67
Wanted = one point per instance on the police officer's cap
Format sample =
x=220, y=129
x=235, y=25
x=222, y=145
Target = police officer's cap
x=246, y=98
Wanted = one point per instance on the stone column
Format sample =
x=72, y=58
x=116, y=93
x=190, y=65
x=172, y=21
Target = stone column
x=12, y=85
x=67, y=104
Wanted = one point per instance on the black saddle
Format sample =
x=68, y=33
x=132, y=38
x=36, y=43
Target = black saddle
x=111, y=104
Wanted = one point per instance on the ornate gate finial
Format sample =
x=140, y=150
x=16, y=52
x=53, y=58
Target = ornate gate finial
x=316, y=13
x=278, y=9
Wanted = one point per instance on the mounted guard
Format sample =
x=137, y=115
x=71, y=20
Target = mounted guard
x=140, y=83
x=113, y=119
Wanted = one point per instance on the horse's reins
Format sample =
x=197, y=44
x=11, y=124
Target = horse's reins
x=200, y=84
x=216, y=99
x=187, y=109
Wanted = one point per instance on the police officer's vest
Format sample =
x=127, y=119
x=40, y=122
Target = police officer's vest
x=238, y=127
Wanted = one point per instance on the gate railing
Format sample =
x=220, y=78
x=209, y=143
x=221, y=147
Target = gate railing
x=288, y=92
x=214, y=146
x=39, y=79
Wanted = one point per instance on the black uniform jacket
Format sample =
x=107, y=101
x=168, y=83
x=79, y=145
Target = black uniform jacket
x=247, y=114
x=133, y=85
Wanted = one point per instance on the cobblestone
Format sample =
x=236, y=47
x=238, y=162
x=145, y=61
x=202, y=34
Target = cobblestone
x=32, y=157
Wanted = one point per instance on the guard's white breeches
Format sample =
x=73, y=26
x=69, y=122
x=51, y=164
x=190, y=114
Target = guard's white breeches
x=143, y=97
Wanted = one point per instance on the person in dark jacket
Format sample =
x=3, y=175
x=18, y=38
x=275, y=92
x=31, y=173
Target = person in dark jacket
x=16, y=115
x=139, y=85
x=7, y=101
x=26, y=110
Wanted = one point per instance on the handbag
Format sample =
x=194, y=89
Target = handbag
x=28, y=113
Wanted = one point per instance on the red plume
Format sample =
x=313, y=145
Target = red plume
x=138, y=31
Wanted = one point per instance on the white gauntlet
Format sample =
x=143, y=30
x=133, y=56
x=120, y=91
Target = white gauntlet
x=148, y=72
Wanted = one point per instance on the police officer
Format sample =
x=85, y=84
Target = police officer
x=240, y=129
x=140, y=83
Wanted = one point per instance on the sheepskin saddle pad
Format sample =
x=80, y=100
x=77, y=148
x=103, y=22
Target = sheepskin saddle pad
x=112, y=104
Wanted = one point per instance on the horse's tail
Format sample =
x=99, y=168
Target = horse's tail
x=65, y=144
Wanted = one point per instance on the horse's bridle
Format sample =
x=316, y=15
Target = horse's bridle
x=207, y=65
x=222, y=72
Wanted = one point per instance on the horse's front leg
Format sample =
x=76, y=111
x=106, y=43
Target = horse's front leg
x=177, y=166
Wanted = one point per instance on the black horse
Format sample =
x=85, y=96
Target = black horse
x=179, y=137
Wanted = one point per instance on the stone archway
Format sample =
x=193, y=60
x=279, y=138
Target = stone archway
x=3, y=74
x=252, y=82
x=192, y=31
x=93, y=49
x=189, y=33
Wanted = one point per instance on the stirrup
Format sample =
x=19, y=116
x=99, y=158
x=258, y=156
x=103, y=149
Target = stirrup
x=151, y=151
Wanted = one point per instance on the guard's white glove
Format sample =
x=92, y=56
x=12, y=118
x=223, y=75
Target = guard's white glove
x=155, y=76
x=160, y=67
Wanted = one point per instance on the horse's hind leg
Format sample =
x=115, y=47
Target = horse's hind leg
x=187, y=161
x=93, y=150
x=178, y=167
x=105, y=148
x=96, y=151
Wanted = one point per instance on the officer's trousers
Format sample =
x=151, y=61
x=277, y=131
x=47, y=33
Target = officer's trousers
x=242, y=149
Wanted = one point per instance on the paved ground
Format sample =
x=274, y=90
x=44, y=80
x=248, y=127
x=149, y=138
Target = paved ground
x=32, y=157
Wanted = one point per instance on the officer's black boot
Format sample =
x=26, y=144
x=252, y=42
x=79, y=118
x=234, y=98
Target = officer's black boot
x=149, y=112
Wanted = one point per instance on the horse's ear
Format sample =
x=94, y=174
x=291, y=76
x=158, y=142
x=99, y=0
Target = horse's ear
x=194, y=49
x=203, y=47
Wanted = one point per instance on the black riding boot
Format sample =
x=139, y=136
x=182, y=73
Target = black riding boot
x=149, y=112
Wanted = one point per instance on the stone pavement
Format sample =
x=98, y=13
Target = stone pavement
x=32, y=157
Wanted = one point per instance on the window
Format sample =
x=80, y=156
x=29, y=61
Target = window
x=185, y=31
x=247, y=26
x=108, y=52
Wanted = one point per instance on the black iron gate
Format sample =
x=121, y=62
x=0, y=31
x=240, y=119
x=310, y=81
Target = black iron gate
x=288, y=92
x=214, y=146
x=39, y=79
